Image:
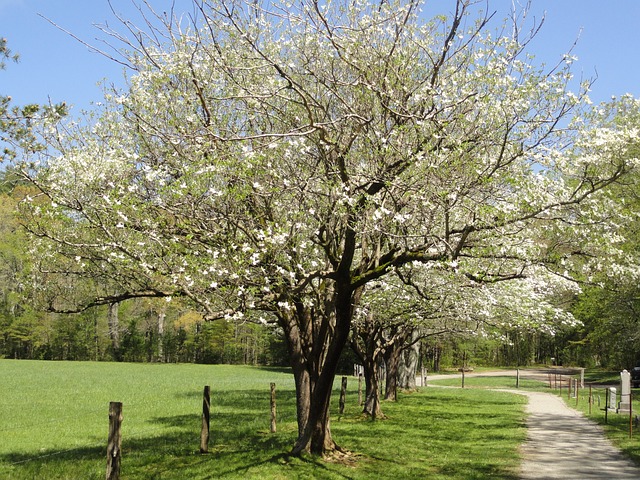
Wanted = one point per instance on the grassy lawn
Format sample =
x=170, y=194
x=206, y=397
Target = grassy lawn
x=55, y=423
x=599, y=376
x=491, y=382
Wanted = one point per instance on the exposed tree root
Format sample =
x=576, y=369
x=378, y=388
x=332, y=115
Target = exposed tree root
x=343, y=457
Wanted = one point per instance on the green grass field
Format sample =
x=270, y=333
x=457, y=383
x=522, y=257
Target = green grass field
x=55, y=423
x=491, y=382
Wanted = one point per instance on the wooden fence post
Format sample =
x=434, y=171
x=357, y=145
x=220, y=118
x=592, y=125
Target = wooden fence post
x=206, y=408
x=273, y=408
x=517, y=378
x=630, y=414
x=343, y=394
x=464, y=362
x=115, y=441
x=359, y=389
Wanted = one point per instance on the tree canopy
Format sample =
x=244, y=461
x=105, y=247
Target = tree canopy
x=274, y=159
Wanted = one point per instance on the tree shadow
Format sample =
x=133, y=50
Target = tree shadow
x=169, y=446
x=287, y=370
x=438, y=427
x=241, y=445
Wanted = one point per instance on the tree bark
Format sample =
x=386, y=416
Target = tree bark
x=372, y=389
x=114, y=450
x=114, y=329
x=409, y=360
x=315, y=345
x=343, y=394
x=391, y=357
x=273, y=407
x=161, y=318
x=366, y=343
x=436, y=357
x=206, y=416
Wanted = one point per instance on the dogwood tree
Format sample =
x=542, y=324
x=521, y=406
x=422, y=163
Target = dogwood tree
x=277, y=157
x=422, y=302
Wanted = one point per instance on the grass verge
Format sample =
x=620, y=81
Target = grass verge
x=55, y=426
x=620, y=428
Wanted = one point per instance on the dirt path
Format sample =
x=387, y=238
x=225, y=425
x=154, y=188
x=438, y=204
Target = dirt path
x=563, y=444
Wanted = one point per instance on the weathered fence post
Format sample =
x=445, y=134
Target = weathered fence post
x=273, y=408
x=115, y=441
x=424, y=376
x=359, y=388
x=590, y=398
x=206, y=408
x=517, y=378
x=343, y=394
x=559, y=386
x=464, y=362
x=630, y=414
x=574, y=387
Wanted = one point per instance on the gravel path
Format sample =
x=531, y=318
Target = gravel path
x=562, y=443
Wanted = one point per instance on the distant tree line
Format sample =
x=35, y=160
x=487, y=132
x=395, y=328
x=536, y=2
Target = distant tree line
x=45, y=336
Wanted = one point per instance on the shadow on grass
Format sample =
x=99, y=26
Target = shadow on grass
x=287, y=370
x=171, y=452
x=234, y=397
x=424, y=437
x=241, y=445
x=451, y=436
x=18, y=460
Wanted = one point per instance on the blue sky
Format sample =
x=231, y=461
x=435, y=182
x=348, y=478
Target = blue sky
x=54, y=65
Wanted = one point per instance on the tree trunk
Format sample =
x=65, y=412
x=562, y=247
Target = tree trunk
x=315, y=349
x=302, y=380
x=366, y=344
x=316, y=436
x=114, y=329
x=391, y=357
x=161, y=317
x=436, y=358
x=409, y=363
x=372, y=389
